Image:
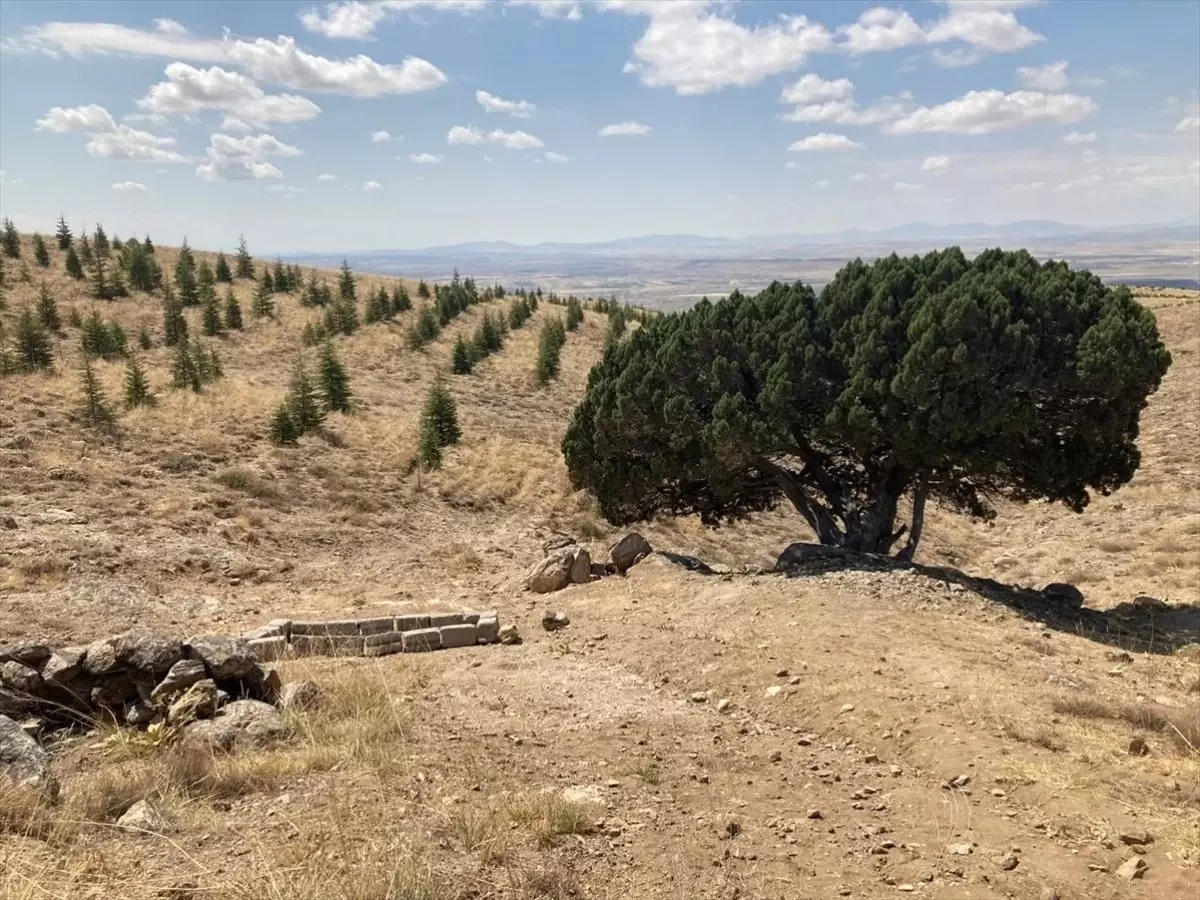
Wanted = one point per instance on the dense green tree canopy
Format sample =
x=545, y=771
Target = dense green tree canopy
x=935, y=376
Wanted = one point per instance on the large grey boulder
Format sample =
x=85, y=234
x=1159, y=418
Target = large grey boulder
x=629, y=551
x=581, y=567
x=23, y=761
x=1066, y=593
x=182, y=676
x=224, y=657
x=241, y=724
x=63, y=665
x=143, y=818
x=29, y=653
x=20, y=678
x=148, y=652
x=552, y=573
x=198, y=702
x=100, y=658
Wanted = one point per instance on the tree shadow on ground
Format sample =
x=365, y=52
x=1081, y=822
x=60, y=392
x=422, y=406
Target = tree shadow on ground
x=1144, y=624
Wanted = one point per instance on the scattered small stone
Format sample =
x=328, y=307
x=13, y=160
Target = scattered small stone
x=553, y=621
x=1096, y=867
x=871, y=758
x=1134, y=867
x=733, y=828
x=723, y=704
x=144, y=818
x=774, y=690
x=776, y=756
x=1008, y=862
x=997, y=793
x=960, y=849
x=1138, y=747
x=961, y=781
x=782, y=673
x=509, y=635
x=814, y=814
x=1136, y=838
x=1049, y=893
x=847, y=707
x=896, y=771
x=1171, y=785
x=906, y=887
x=794, y=680
x=699, y=697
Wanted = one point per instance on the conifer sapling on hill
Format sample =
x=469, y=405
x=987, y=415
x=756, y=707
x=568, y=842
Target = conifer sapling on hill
x=210, y=316
x=47, y=310
x=10, y=241
x=463, y=359
x=233, y=311
x=244, y=263
x=96, y=411
x=175, y=327
x=439, y=424
x=423, y=290
x=73, y=265
x=185, y=374
x=186, y=284
x=100, y=243
x=283, y=430
x=335, y=383
x=401, y=302
x=550, y=343
x=40, y=254
x=137, y=387
x=222, y=272
x=262, y=307
x=33, y=343
x=144, y=338
x=62, y=233
x=304, y=404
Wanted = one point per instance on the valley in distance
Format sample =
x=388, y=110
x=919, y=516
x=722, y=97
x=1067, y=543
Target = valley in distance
x=673, y=271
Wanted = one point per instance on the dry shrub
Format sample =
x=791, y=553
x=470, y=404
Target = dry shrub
x=25, y=812
x=1181, y=725
x=548, y=816
x=249, y=483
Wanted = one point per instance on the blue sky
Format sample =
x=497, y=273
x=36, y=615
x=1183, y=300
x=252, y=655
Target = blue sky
x=409, y=123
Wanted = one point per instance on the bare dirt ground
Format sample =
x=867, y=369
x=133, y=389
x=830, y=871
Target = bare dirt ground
x=934, y=734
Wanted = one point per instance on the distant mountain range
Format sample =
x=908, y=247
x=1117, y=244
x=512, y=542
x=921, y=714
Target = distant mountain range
x=674, y=270
x=685, y=244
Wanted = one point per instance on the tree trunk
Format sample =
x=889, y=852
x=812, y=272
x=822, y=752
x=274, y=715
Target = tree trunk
x=920, y=494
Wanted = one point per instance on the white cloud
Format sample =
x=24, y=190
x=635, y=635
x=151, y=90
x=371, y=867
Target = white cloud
x=128, y=186
x=1050, y=77
x=939, y=165
x=553, y=9
x=1086, y=181
x=983, y=112
x=325, y=176
x=1189, y=123
x=822, y=184
x=692, y=48
x=278, y=62
x=90, y=118
x=1089, y=156
x=881, y=29
x=464, y=134
x=238, y=159
x=907, y=187
x=425, y=159
x=553, y=157
x=513, y=140
x=284, y=189
x=1031, y=186
x=518, y=109
x=824, y=141
x=372, y=186
x=169, y=26
x=624, y=129
x=792, y=164
x=847, y=112
x=813, y=88
x=188, y=90
x=985, y=26
x=380, y=137
x=133, y=145
x=1076, y=138
x=354, y=20
x=859, y=176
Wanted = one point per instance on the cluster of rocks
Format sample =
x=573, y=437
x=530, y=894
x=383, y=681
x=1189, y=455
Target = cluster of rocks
x=567, y=563
x=133, y=678
x=378, y=636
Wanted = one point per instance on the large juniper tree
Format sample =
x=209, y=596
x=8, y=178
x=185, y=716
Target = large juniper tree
x=929, y=377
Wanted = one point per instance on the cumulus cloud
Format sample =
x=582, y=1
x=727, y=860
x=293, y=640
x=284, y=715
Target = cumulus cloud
x=939, y=165
x=1050, y=77
x=189, y=90
x=284, y=189
x=1075, y=138
x=1188, y=123
x=694, y=48
x=859, y=176
x=984, y=112
x=128, y=186
x=624, y=129
x=372, y=186
x=90, y=118
x=133, y=145
x=169, y=26
x=380, y=137
x=513, y=140
x=825, y=141
x=813, y=88
x=906, y=187
x=238, y=159
x=518, y=109
x=325, y=176
x=277, y=61
x=833, y=101
x=355, y=20
x=425, y=159
x=984, y=27
x=553, y=9
x=822, y=184
x=553, y=157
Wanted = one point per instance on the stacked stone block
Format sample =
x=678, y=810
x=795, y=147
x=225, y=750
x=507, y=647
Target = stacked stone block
x=378, y=636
